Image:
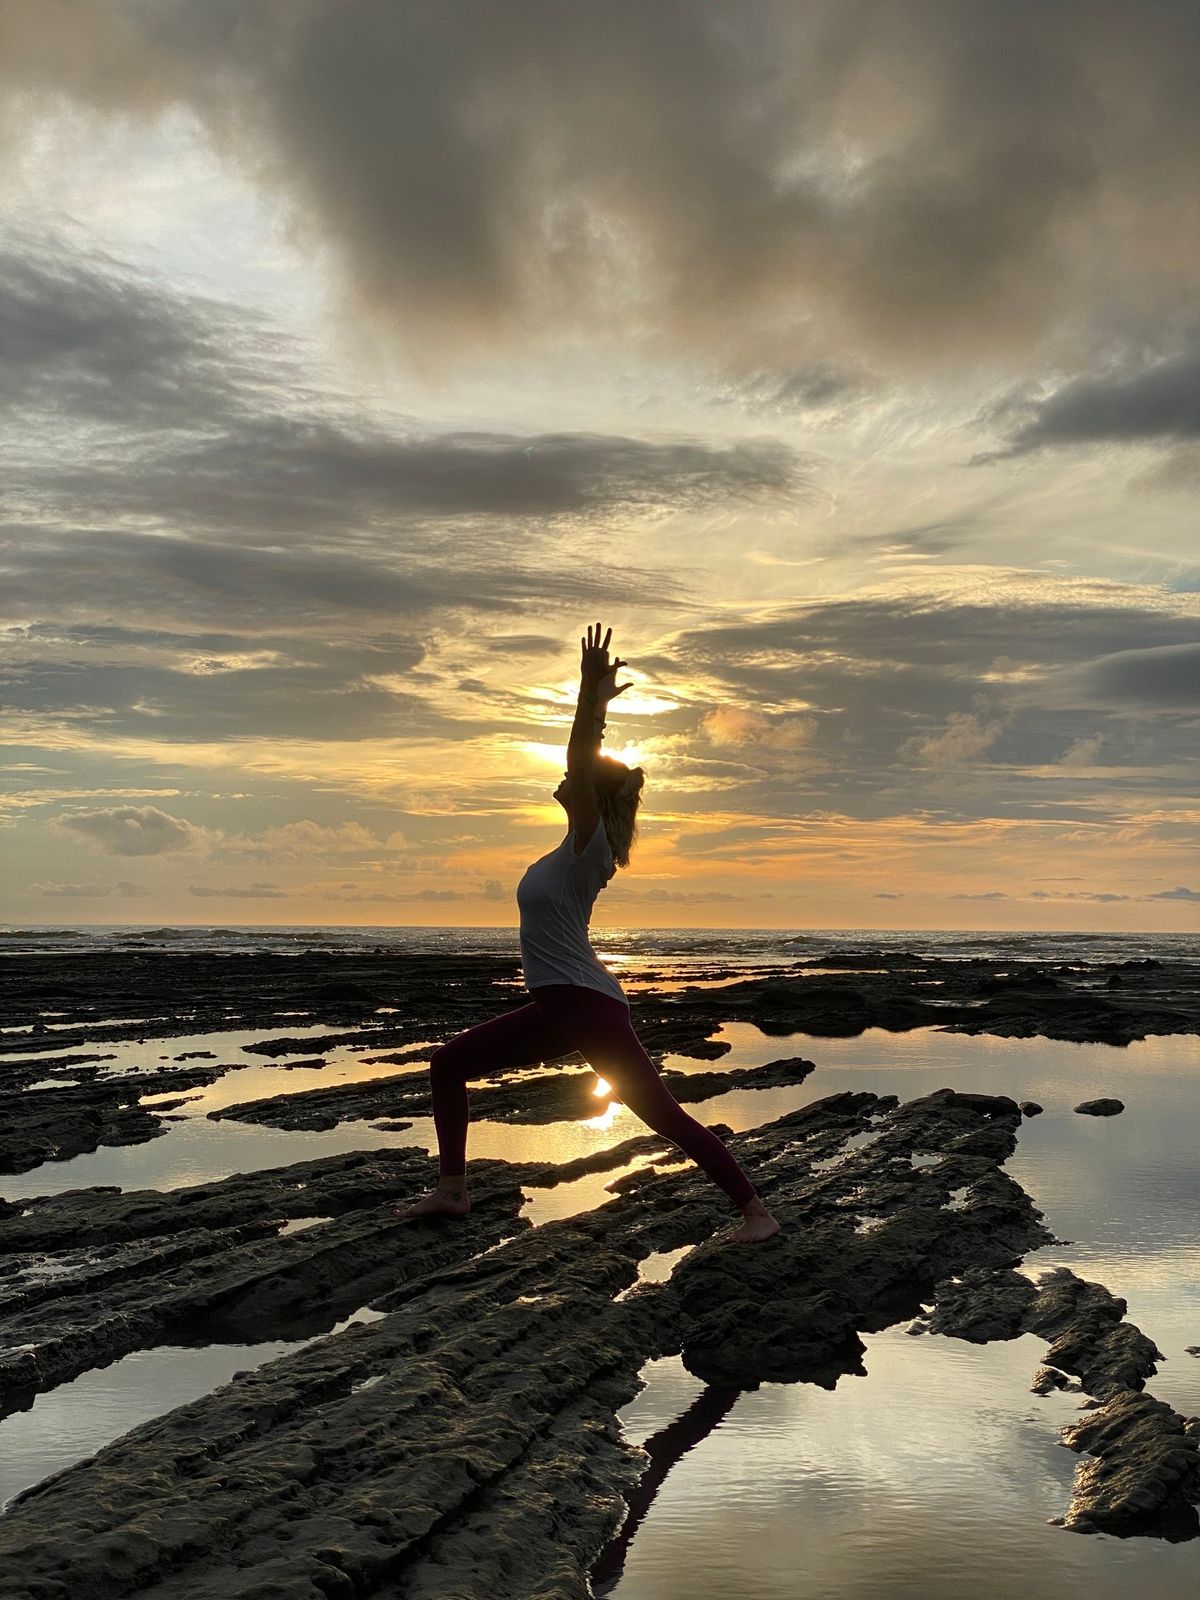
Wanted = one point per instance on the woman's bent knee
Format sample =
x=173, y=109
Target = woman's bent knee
x=445, y=1063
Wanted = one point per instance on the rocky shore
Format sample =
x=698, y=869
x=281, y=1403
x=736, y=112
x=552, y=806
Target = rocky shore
x=465, y=1441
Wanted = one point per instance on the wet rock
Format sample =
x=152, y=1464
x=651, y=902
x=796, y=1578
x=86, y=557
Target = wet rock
x=1006, y=983
x=1030, y=1108
x=340, y=994
x=703, y=1049
x=692, y=1086
x=1088, y=1335
x=981, y=1305
x=15, y=1071
x=1144, y=1475
x=1100, y=1108
x=438, y=994
x=467, y=1442
x=57, y=1124
x=1047, y=1379
x=104, y=1215
x=225, y=1285
x=559, y=1096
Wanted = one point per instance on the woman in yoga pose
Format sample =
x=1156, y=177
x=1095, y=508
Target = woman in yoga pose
x=575, y=1002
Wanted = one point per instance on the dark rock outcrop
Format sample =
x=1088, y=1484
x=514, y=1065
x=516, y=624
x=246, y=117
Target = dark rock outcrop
x=558, y=1096
x=55, y=1124
x=467, y=1442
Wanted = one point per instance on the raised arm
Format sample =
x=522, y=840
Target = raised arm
x=597, y=686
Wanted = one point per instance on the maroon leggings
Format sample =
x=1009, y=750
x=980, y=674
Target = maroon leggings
x=562, y=1017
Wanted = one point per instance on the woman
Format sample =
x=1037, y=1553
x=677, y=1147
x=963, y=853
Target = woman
x=575, y=1002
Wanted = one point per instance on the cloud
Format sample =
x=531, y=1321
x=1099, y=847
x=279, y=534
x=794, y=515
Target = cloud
x=990, y=894
x=736, y=725
x=1156, y=678
x=294, y=561
x=210, y=420
x=300, y=841
x=885, y=894
x=290, y=474
x=985, y=681
x=493, y=889
x=1166, y=675
x=962, y=740
x=523, y=644
x=123, y=889
x=930, y=179
x=1178, y=893
x=247, y=891
x=685, y=896
x=1077, y=894
x=133, y=830
x=1082, y=752
x=1157, y=403
x=86, y=336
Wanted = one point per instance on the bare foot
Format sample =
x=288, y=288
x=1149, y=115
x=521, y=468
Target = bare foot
x=441, y=1202
x=753, y=1229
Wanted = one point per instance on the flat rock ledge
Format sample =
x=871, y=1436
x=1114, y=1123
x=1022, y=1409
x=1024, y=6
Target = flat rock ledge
x=531, y=1097
x=466, y=1443
x=72, y=1119
x=1144, y=1473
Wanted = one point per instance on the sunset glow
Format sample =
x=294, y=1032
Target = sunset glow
x=867, y=430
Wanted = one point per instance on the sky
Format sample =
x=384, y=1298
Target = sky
x=843, y=357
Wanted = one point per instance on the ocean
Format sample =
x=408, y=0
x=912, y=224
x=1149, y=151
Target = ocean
x=692, y=949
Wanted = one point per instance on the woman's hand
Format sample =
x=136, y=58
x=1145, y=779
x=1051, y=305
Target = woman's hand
x=595, y=667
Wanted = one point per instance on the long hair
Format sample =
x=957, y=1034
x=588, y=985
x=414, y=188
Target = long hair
x=618, y=795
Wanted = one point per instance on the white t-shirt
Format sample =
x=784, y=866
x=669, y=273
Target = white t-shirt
x=556, y=897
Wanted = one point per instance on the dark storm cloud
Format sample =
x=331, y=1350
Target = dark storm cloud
x=836, y=641
x=939, y=176
x=294, y=475
x=214, y=590
x=286, y=703
x=1159, y=403
x=83, y=336
x=1168, y=676
x=523, y=644
x=202, y=440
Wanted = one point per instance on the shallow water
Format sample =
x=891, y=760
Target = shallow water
x=931, y=1477
x=937, y=1471
x=78, y=1418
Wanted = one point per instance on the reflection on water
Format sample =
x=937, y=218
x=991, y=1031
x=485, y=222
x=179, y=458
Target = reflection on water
x=931, y=1477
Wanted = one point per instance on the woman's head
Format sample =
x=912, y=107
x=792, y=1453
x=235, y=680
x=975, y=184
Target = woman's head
x=618, y=795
